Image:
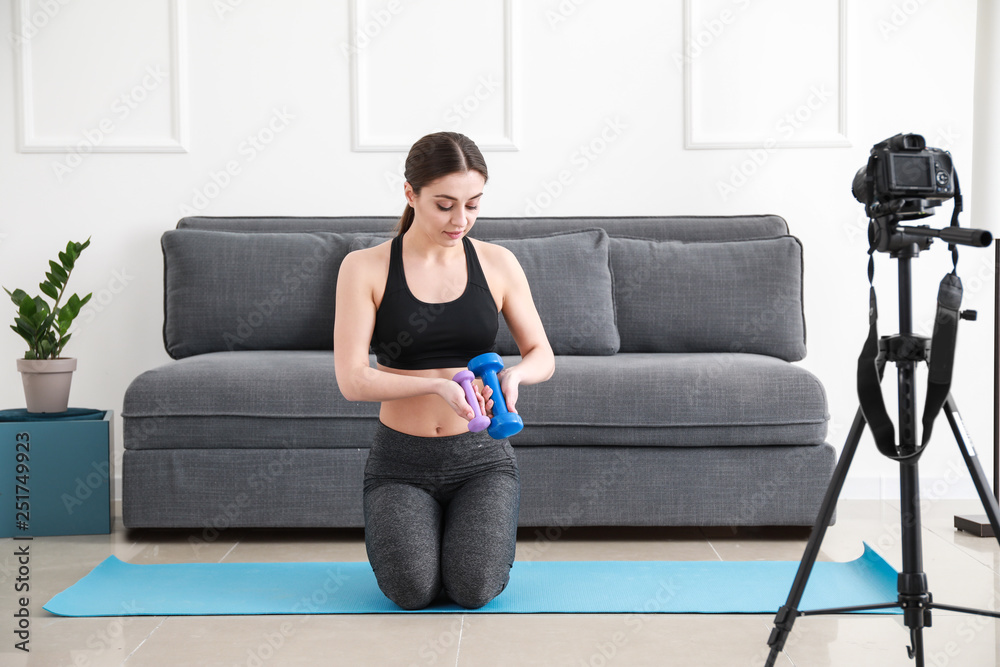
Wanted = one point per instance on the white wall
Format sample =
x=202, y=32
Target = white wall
x=157, y=100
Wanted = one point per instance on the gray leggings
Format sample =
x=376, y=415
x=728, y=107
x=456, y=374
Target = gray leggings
x=440, y=516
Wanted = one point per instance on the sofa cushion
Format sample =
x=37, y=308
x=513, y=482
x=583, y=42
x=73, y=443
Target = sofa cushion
x=737, y=296
x=570, y=278
x=675, y=400
x=226, y=291
x=255, y=399
x=362, y=241
x=268, y=399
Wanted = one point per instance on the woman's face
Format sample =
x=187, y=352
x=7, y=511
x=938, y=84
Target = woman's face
x=447, y=208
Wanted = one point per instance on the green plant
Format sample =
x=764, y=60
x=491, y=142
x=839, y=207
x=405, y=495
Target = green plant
x=45, y=327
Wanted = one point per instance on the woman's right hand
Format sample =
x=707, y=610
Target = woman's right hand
x=453, y=393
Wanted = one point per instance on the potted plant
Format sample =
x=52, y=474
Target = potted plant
x=45, y=373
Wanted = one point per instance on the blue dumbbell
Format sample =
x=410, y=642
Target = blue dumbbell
x=504, y=423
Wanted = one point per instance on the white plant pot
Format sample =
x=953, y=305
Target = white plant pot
x=46, y=383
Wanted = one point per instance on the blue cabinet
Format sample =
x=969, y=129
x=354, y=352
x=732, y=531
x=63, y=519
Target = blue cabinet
x=56, y=473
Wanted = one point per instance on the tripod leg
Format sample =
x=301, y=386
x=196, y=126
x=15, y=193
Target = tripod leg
x=914, y=596
x=972, y=463
x=916, y=649
x=786, y=615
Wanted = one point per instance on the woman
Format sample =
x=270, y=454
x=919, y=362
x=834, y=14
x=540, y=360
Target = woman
x=440, y=502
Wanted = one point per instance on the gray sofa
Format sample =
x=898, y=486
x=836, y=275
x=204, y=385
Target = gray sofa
x=674, y=401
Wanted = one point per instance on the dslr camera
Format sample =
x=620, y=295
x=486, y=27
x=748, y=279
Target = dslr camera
x=904, y=177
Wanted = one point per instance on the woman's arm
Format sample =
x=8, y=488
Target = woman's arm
x=352, y=334
x=537, y=361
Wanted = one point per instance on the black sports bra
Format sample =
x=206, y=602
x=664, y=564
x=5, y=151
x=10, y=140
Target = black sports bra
x=411, y=334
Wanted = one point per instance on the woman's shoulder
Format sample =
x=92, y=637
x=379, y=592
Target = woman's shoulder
x=371, y=253
x=493, y=252
x=498, y=262
x=368, y=261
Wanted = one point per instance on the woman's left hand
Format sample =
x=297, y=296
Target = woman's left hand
x=510, y=380
x=485, y=402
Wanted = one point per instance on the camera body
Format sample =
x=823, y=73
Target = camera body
x=904, y=176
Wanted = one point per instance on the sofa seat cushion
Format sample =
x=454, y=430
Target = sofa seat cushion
x=244, y=399
x=681, y=400
x=268, y=399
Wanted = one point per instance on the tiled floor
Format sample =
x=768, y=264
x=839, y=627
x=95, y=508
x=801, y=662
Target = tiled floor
x=962, y=570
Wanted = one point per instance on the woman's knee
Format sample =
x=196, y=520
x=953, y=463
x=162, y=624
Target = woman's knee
x=473, y=589
x=415, y=590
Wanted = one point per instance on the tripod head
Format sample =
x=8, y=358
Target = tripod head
x=904, y=180
x=885, y=234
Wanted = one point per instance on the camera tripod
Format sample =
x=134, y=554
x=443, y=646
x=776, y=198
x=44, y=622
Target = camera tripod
x=915, y=599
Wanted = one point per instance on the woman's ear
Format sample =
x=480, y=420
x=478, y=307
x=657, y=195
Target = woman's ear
x=408, y=192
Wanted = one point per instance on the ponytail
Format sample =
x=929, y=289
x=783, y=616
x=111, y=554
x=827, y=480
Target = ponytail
x=405, y=221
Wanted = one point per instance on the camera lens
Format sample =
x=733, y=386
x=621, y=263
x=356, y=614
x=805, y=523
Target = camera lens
x=858, y=186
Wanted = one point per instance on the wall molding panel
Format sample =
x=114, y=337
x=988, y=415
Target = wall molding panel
x=713, y=55
x=369, y=134
x=28, y=102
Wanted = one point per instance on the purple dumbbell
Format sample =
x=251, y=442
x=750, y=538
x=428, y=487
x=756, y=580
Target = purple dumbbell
x=479, y=422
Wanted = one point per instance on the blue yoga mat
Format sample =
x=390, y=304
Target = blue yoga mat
x=115, y=588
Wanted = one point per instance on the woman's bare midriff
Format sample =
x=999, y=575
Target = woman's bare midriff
x=427, y=416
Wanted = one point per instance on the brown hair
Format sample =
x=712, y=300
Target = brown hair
x=434, y=156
